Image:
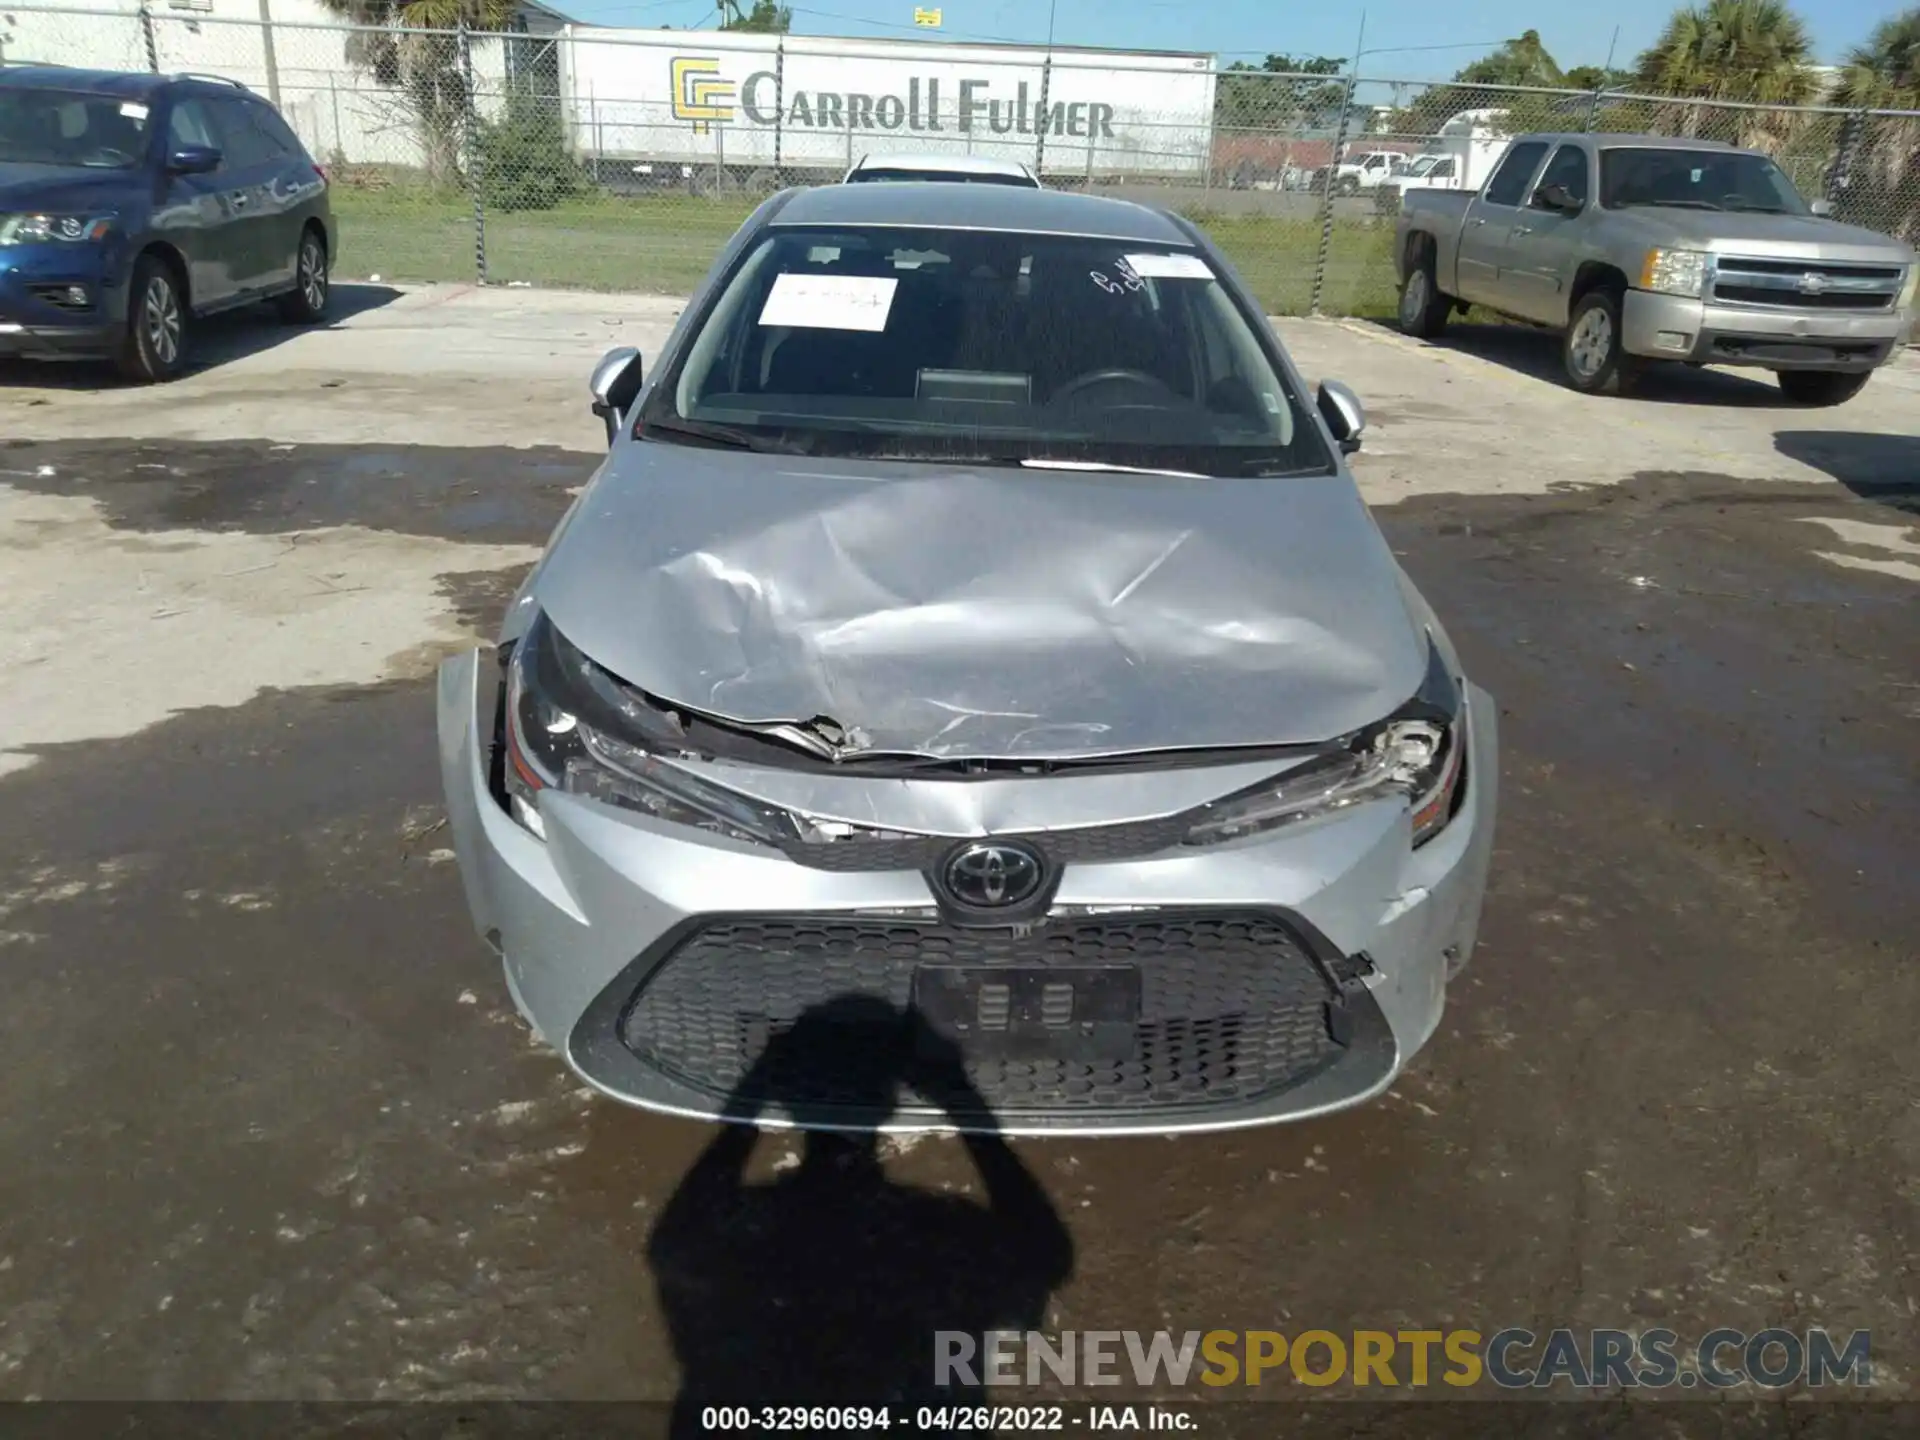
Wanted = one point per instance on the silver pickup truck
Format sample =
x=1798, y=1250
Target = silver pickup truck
x=1640, y=248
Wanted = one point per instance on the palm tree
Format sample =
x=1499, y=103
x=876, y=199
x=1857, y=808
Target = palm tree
x=404, y=44
x=1884, y=73
x=1884, y=158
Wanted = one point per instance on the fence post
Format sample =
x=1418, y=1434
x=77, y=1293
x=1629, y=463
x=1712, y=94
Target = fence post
x=1593, y=109
x=146, y=29
x=1326, y=196
x=266, y=52
x=1040, y=116
x=471, y=137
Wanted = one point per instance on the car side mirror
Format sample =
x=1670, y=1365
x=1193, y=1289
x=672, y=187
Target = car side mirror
x=615, y=383
x=193, y=160
x=1558, y=197
x=1346, y=417
x=1822, y=208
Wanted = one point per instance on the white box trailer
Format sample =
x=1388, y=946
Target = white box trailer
x=674, y=104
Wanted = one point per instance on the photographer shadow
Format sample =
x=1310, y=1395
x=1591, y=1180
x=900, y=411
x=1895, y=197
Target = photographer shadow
x=828, y=1284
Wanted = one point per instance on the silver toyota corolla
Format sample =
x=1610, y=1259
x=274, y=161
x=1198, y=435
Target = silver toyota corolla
x=973, y=624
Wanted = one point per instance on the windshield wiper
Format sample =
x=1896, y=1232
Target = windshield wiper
x=1097, y=465
x=723, y=436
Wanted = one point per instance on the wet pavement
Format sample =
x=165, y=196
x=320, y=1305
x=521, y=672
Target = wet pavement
x=272, y=1129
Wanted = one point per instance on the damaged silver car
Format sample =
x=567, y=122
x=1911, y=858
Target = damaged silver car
x=973, y=617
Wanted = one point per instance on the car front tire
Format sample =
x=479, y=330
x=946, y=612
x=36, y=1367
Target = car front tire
x=306, y=303
x=1591, y=352
x=154, y=348
x=1823, y=387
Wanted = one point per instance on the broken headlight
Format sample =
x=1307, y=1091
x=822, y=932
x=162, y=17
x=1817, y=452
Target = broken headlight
x=573, y=727
x=1418, y=752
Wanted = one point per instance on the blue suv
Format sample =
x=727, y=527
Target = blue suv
x=131, y=204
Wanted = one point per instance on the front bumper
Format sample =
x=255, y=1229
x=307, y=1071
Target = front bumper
x=1284, y=976
x=59, y=300
x=1674, y=327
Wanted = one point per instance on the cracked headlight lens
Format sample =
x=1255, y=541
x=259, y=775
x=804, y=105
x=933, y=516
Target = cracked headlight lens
x=1418, y=752
x=573, y=727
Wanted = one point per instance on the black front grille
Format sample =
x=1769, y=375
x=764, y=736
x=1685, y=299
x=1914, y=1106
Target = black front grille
x=1233, y=1008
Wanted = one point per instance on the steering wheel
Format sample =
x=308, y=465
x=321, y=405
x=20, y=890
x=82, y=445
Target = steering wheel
x=107, y=155
x=1094, y=379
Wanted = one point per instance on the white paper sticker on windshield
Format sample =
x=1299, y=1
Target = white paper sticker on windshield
x=1169, y=267
x=829, y=302
x=134, y=111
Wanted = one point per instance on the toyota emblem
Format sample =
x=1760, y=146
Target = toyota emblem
x=992, y=874
x=1813, y=283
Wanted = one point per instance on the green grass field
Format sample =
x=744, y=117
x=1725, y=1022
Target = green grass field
x=662, y=244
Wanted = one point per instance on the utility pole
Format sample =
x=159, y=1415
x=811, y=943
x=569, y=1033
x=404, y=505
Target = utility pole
x=266, y=51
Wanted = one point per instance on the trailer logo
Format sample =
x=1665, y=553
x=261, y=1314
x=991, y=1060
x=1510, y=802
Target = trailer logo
x=699, y=93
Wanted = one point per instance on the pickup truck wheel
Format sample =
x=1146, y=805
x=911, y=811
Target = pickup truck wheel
x=1591, y=353
x=1822, y=387
x=1423, y=309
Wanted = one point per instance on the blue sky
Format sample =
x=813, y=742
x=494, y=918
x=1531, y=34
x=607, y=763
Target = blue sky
x=1250, y=28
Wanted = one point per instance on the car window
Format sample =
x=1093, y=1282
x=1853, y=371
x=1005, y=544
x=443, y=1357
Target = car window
x=71, y=127
x=278, y=133
x=189, y=124
x=244, y=142
x=1441, y=169
x=1509, y=182
x=1569, y=168
x=1696, y=180
x=992, y=348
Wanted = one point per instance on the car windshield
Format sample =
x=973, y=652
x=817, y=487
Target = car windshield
x=1422, y=165
x=71, y=127
x=946, y=177
x=1696, y=180
x=986, y=347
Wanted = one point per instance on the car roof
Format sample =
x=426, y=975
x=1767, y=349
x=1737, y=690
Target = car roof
x=1609, y=140
x=95, y=82
x=132, y=83
x=982, y=207
x=948, y=164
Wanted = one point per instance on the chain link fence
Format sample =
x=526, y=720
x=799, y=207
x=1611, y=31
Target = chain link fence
x=622, y=160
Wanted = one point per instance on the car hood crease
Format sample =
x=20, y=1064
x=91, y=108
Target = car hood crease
x=981, y=612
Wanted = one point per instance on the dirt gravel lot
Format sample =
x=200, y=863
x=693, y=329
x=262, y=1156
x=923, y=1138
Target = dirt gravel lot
x=270, y=1128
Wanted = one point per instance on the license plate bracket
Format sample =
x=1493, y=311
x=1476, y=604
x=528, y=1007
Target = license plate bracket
x=1077, y=1013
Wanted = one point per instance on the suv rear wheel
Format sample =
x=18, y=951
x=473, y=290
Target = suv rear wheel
x=307, y=301
x=1823, y=387
x=155, y=346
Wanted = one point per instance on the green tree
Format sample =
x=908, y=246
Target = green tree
x=1524, y=61
x=765, y=18
x=1876, y=178
x=1750, y=50
x=525, y=164
x=1280, y=95
x=395, y=48
x=1509, y=80
x=1598, y=77
x=1884, y=73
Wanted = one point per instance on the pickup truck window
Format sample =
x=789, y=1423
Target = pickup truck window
x=1696, y=180
x=1569, y=168
x=1509, y=182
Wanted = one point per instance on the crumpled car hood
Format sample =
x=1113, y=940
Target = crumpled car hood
x=993, y=613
